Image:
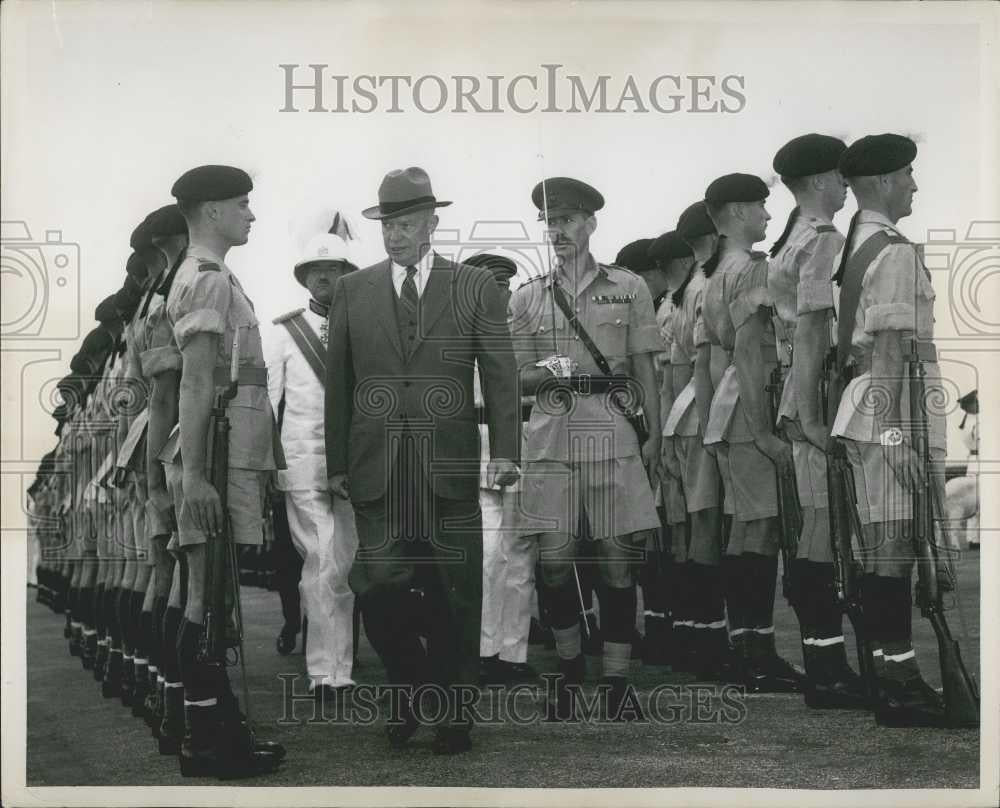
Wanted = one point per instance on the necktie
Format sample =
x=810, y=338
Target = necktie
x=408, y=294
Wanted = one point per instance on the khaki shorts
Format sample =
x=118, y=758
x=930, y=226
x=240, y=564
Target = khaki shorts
x=880, y=496
x=672, y=495
x=700, y=473
x=755, y=487
x=174, y=473
x=615, y=494
x=810, y=478
x=246, y=510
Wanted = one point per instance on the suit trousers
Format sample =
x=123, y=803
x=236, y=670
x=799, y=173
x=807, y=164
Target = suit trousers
x=323, y=532
x=418, y=574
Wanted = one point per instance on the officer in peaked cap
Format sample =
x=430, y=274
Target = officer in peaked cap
x=800, y=287
x=739, y=425
x=616, y=508
x=208, y=310
x=885, y=297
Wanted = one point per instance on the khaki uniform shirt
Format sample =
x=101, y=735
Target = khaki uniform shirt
x=896, y=295
x=615, y=308
x=800, y=280
x=206, y=298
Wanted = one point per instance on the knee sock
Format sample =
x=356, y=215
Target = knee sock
x=135, y=613
x=900, y=662
x=734, y=577
x=564, y=617
x=617, y=625
x=100, y=619
x=762, y=572
x=200, y=678
x=111, y=616
x=172, y=618
x=124, y=600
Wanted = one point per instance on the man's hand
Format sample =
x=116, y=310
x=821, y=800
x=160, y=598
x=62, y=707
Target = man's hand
x=337, y=483
x=776, y=449
x=502, y=472
x=669, y=464
x=905, y=464
x=203, y=503
x=161, y=499
x=651, y=458
x=817, y=434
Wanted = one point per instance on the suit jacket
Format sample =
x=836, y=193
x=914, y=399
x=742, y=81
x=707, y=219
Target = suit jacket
x=373, y=388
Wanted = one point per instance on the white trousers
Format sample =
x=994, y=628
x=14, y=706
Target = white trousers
x=323, y=532
x=508, y=579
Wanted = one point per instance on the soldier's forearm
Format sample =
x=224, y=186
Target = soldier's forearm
x=810, y=345
x=888, y=370
x=703, y=384
x=162, y=417
x=750, y=374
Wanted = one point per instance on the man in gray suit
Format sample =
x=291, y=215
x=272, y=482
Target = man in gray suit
x=402, y=442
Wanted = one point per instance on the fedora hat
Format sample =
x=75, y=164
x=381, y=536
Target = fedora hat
x=403, y=191
x=324, y=247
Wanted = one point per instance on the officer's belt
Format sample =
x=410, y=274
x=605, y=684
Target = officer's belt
x=249, y=376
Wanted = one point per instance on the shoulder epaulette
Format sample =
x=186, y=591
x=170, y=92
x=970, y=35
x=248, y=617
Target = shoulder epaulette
x=284, y=318
x=618, y=267
x=532, y=279
x=208, y=266
x=826, y=228
x=757, y=255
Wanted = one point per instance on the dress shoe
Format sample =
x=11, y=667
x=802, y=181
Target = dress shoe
x=287, y=639
x=213, y=747
x=835, y=686
x=451, y=740
x=766, y=672
x=399, y=733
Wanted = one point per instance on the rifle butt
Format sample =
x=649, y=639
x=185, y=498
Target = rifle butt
x=961, y=696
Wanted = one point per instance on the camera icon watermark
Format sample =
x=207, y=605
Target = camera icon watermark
x=973, y=267
x=41, y=284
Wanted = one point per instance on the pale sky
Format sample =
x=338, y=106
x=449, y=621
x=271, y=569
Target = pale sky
x=105, y=104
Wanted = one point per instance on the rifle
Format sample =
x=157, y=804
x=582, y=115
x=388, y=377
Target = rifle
x=222, y=574
x=961, y=696
x=789, y=508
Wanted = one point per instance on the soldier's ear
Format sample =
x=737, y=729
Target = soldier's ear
x=591, y=224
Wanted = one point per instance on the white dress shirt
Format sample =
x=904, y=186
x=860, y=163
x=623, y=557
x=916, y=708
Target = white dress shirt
x=420, y=279
x=302, y=436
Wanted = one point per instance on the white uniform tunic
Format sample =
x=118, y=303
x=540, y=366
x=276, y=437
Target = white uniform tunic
x=322, y=525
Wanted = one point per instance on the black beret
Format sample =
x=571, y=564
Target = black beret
x=107, y=311
x=97, y=342
x=136, y=267
x=873, y=155
x=212, y=183
x=564, y=194
x=810, y=154
x=161, y=223
x=669, y=246
x=635, y=256
x=695, y=222
x=499, y=265
x=736, y=188
x=127, y=299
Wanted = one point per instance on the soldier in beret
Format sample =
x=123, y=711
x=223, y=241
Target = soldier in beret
x=600, y=481
x=210, y=314
x=885, y=296
x=665, y=269
x=736, y=317
x=800, y=287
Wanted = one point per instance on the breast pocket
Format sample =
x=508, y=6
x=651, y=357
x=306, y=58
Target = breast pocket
x=612, y=331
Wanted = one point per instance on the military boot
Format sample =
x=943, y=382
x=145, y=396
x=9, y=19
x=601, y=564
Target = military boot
x=171, y=730
x=830, y=682
x=767, y=672
x=214, y=747
x=913, y=703
x=112, y=682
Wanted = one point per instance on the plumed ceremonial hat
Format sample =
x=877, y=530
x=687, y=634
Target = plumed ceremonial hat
x=873, y=155
x=403, y=190
x=635, y=256
x=499, y=265
x=211, y=183
x=736, y=188
x=695, y=222
x=669, y=246
x=810, y=154
x=560, y=195
x=324, y=247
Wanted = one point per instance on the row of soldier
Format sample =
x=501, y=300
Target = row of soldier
x=728, y=318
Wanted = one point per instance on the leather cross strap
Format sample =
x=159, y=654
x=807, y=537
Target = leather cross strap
x=310, y=345
x=850, y=290
x=636, y=419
